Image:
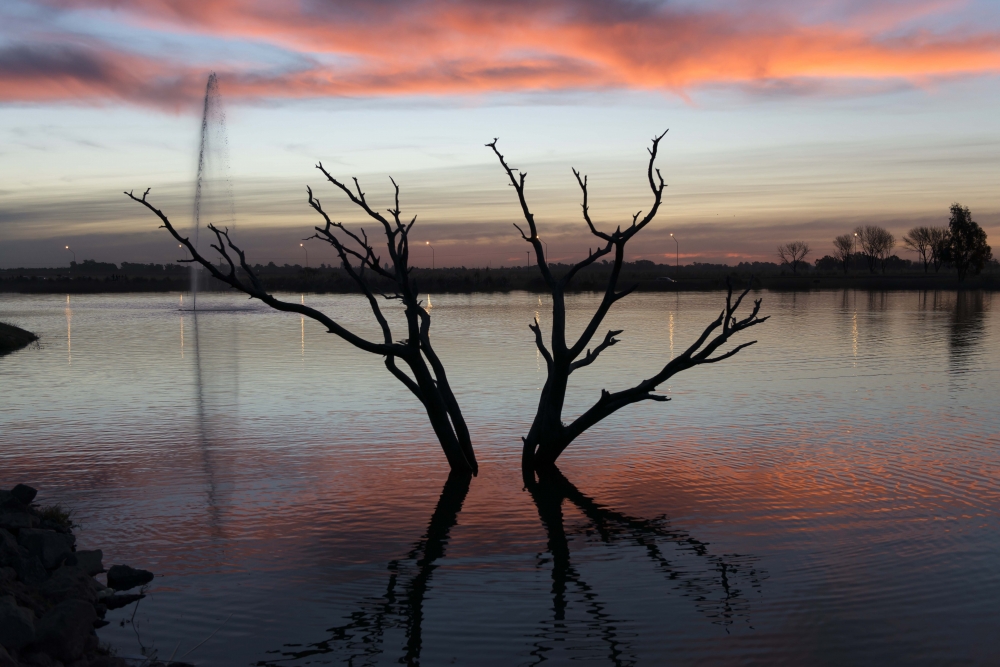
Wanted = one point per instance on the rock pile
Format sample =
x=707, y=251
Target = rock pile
x=50, y=602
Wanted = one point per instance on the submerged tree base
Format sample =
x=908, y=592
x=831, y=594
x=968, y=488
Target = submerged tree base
x=14, y=338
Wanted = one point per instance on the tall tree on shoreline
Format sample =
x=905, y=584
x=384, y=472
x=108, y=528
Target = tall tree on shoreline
x=920, y=241
x=549, y=436
x=939, y=246
x=843, y=246
x=876, y=245
x=427, y=379
x=966, y=247
x=793, y=254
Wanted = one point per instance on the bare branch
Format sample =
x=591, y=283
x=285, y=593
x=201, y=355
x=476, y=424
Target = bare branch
x=609, y=340
x=536, y=243
x=730, y=353
x=586, y=208
x=536, y=327
x=255, y=289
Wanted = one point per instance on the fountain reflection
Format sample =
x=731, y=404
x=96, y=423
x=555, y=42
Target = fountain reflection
x=216, y=380
x=716, y=585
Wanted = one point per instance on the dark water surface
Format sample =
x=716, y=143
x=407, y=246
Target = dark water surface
x=828, y=497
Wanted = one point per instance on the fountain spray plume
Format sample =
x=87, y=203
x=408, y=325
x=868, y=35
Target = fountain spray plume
x=213, y=190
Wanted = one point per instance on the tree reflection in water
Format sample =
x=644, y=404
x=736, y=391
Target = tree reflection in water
x=968, y=326
x=718, y=585
x=714, y=583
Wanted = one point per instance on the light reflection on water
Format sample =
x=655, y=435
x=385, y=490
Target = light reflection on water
x=828, y=496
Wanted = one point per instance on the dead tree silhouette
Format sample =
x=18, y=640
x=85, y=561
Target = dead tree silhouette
x=429, y=382
x=549, y=435
x=717, y=585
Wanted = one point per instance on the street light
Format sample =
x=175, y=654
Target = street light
x=528, y=265
x=303, y=246
x=74, y=257
x=677, y=256
x=546, y=248
x=432, y=253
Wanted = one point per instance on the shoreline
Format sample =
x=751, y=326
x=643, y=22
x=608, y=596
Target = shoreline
x=488, y=281
x=51, y=601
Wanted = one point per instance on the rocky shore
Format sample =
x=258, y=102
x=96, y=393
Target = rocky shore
x=14, y=338
x=51, y=602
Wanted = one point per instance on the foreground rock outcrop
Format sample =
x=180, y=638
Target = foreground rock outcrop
x=50, y=602
x=12, y=339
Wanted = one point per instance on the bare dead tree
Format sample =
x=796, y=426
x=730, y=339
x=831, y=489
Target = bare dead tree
x=842, y=247
x=793, y=253
x=427, y=380
x=548, y=436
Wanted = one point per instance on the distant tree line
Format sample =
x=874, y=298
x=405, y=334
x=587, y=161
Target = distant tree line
x=961, y=245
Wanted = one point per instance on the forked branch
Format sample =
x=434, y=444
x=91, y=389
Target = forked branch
x=715, y=335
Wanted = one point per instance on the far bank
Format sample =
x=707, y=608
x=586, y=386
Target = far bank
x=95, y=278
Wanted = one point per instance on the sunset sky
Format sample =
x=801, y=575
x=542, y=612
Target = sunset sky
x=788, y=120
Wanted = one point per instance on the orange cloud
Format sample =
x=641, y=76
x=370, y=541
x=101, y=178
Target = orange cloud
x=447, y=48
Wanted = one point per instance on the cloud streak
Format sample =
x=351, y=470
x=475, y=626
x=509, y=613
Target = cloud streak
x=438, y=48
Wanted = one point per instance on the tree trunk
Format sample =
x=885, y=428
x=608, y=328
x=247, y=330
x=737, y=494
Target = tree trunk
x=446, y=425
x=547, y=430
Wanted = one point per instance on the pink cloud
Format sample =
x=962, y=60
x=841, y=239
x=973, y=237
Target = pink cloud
x=448, y=48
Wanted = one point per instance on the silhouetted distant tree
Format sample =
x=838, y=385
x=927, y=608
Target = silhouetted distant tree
x=876, y=245
x=939, y=246
x=793, y=253
x=966, y=247
x=919, y=241
x=843, y=247
x=428, y=383
x=549, y=436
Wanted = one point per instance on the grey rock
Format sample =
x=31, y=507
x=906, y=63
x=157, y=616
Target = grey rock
x=26, y=596
x=17, y=624
x=5, y=659
x=39, y=659
x=15, y=520
x=64, y=632
x=51, y=547
x=29, y=568
x=23, y=493
x=108, y=661
x=69, y=583
x=7, y=575
x=123, y=577
x=90, y=561
x=7, y=541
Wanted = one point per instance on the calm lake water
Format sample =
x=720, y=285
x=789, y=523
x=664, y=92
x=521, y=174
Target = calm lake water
x=829, y=496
